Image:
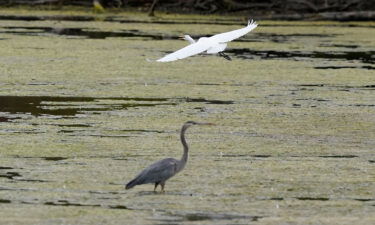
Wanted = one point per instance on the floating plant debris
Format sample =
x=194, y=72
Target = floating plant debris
x=312, y=199
x=72, y=106
x=339, y=156
x=245, y=53
x=83, y=32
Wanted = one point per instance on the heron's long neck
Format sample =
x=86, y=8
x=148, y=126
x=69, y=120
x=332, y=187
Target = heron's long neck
x=186, y=147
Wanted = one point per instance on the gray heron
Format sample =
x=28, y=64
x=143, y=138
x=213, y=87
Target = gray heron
x=160, y=171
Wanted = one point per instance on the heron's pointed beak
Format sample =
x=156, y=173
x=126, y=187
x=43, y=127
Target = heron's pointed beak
x=181, y=37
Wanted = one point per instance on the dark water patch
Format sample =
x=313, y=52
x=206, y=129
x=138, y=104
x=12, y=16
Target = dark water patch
x=10, y=175
x=344, y=67
x=200, y=216
x=55, y=158
x=95, y=34
x=6, y=168
x=266, y=37
x=282, y=38
x=124, y=158
x=84, y=32
x=209, y=84
x=66, y=131
x=104, y=136
x=32, y=131
x=313, y=99
x=245, y=53
x=9, y=118
x=67, y=203
x=35, y=106
x=141, y=131
x=298, y=35
x=33, y=180
x=117, y=20
x=339, y=87
x=339, y=156
x=15, y=176
x=365, y=199
x=311, y=85
x=339, y=46
x=74, y=125
x=56, y=17
x=371, y=161
x=317, y=25
x=261, y=156
x=209, y=101
x=48, y=158
x=362, y=105
x=118, y=207
x=28, y=203
x=234, y=155
x=60, y=107
x=4, y=119
x=70, y=107
x=3, y=201
x=277, y=199
x=312, y=199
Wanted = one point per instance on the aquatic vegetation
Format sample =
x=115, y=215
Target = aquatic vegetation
x=82, y=111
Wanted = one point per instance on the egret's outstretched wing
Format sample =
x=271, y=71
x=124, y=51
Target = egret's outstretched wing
x=189, y=50
x=231, y=35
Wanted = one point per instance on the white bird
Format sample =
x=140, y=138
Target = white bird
x=210, y=45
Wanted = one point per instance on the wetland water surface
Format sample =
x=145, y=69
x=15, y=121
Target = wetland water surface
x=82, y=112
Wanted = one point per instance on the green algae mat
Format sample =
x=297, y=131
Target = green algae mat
x=83, y=110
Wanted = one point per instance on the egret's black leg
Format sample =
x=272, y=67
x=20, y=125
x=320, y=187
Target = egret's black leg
x=156, y=185
x=225, y=56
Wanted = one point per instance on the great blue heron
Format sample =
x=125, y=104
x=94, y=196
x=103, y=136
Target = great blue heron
x=160, y=171
x=210, y=45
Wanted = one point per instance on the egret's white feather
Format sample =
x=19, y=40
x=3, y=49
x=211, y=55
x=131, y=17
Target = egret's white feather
x=231, y=35
x=189, y=50
x=212, y=45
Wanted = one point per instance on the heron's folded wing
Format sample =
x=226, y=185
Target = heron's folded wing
x=189, y=50
x=160, y=170
x=231, y=35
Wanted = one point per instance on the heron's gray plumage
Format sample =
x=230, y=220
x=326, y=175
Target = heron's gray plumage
x=157, y=172
x=160, y=171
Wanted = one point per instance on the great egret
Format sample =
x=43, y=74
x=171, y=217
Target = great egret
x=164, y=169
x=210, y=45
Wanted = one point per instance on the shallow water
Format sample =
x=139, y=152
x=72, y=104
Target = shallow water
x=82, y=112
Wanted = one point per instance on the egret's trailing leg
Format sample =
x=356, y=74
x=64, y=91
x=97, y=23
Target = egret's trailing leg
x=225, y=56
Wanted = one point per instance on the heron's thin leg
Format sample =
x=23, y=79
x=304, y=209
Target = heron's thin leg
x=162, y=184
x=156, y=185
